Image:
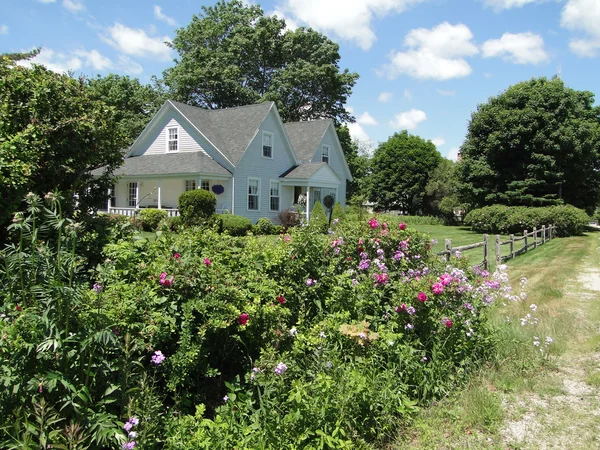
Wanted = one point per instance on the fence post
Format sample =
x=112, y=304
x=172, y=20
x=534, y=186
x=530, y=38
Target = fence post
x=534, y=237
x=543, y=234
x=448, y=248
x=498, y=253
x=525, y=240
x=551, y=230
x=512, y=245
x=486, y=251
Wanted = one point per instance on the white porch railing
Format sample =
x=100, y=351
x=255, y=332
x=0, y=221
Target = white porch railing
x=130, y=212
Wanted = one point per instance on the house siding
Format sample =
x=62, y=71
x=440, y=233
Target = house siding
x=336, y=161
x=253, y=165
x=186, y=142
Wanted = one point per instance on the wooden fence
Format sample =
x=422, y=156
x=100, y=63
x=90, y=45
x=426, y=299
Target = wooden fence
x=539, y=237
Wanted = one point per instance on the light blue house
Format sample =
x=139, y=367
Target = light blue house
x=256, y=165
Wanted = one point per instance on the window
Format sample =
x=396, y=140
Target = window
x=274, y=196
x=325, y=154
x=190, y=185
x=132, y=193
x=316, y=195
x=205, y=185
x=267, y=144
x=253, y=194
x=173, y=139
x=333, y=193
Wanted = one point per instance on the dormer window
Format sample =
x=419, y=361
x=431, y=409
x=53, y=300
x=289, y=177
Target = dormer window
x=325, y=154
x=172, y=139
x=267, y=145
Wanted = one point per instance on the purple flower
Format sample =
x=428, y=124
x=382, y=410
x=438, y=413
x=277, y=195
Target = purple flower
x=127, y=426
x=354, y=282
x=135, y=420
x=409, y=326
x=128, y=445
x=364, y=264
x=157, y=359
x=97, y=287
x=311, y=282
x=410, y=310
x=225, y=398
x=280, y=369
x=437, y=288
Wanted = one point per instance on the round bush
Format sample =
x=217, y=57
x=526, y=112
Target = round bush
x=151, y=217
x=264, y=226
x=318, y=218
x=234, y=225
x=196, y=206
x=338, y=212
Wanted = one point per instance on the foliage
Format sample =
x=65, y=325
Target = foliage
x=318, y=218
x=289, y=218
x=196, y=206
x=135, y=104
x=536, y=144
x=264, y=226
x=232, y=54
x=358, y=162
x=441, y=198
x=338, y=212
x=53, y=132
x=401, y=168
x=501, y=219
x=151, y=218
x=234, y=225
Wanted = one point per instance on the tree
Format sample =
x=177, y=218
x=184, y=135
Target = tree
x=233, y=55
x=135, y=104
x=535, y=144
x=441, y=191
x=53, y=132
x=358, y=163
x=400, y=170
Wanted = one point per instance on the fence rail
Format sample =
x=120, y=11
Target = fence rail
x=540, y=236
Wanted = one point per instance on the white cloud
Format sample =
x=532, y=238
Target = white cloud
x=438, y=142
x=520, y=48
x=409, y=120
x=135, y=42
x=347, y=20
x=358, y=133
x=435, y=54
x=385, y=97
x=366, y=119
x=73, y=6
x=453, y=154
x=407, y=94
x=47, y=1
x=290, y=24
x=161, y=16
x=129, y=66
x=583, y=15
x=499, y=5
x=350, y=109
x=55, y=61
x=3, y=29
x=446, y=93
x=94, y=59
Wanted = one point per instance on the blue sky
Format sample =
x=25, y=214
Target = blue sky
x=424, y=65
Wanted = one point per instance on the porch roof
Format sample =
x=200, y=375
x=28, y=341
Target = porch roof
x=318, y=172
x=168, y=164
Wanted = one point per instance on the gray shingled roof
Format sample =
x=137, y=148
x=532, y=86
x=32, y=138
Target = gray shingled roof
x=229, y=129
x=305, y=136
x=303, y=171
x=168, y=164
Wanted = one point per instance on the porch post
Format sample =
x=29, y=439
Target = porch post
x=308, y=204
x=199, y=183
x=137, y=194
x=159, y=198
x=109, y=203
x=232, y=195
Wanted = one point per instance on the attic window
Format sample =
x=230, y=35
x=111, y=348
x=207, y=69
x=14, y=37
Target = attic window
x=173, y=139
x=325, y=154
x=267, y=145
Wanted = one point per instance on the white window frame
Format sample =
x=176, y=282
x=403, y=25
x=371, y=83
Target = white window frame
x=205, y=185
x=272, y=136
x=271, y=196
x=190, y=185
x=325, y=153
x=313, y=196
x=257, y=195
x=132, y=193
x=169, y=140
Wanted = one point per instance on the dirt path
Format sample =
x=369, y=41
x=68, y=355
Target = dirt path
x=567, y=416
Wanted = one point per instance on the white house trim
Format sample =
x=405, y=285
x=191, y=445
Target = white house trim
x=258, y=194
x=168, y=139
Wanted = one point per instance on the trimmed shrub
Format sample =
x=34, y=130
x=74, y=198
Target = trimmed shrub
x=234, y=225
x=171, y=224
x=318, y=218
x=196, y=206
x=338, y=212
x=570, y=221
x=151, y=217
x=289, y=218
x=264, y=226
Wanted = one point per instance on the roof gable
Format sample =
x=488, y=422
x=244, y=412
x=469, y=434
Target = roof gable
x=306, y=136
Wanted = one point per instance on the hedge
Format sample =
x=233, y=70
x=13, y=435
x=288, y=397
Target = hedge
x=196, y=206
x=151, y=217
x=234, y=225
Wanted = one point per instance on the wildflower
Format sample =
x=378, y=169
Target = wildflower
x=281, y=299
x=548, y=341
x=128, y=445
x=128, y=426
x=280, y=369
x=410, y=310
x=402, y=226
x=243, y=319
x=409, y=326
x=132, y=435
x=536, y=341
x=134, y=420
x=390, y=343
x=422, y=296
x=373, y=223
x=41, y=388
x=18, y=308
x=437, y=288
x=382, y=278
x=177, y=256
x=362, y=335
x=97, y=288
x=166, y=282
x=447, y=322
x=336, y=221
x=322, y=335
x=328, y=365
x=457, y=253
x=157, y=358
x=207, y=262
x=446, y=279
x=380, y=252
x=354, y=282
x=225, y=398
x=425, y=359
x=468, y=306
x=293, y=331
x=364, y=264
x=533, y=307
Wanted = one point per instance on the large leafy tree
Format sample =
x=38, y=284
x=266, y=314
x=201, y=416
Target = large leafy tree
x=535, y=144
x=232, y=54
x=358, y=163
x=135, y=103
x=400, y=170
x=53, y=132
